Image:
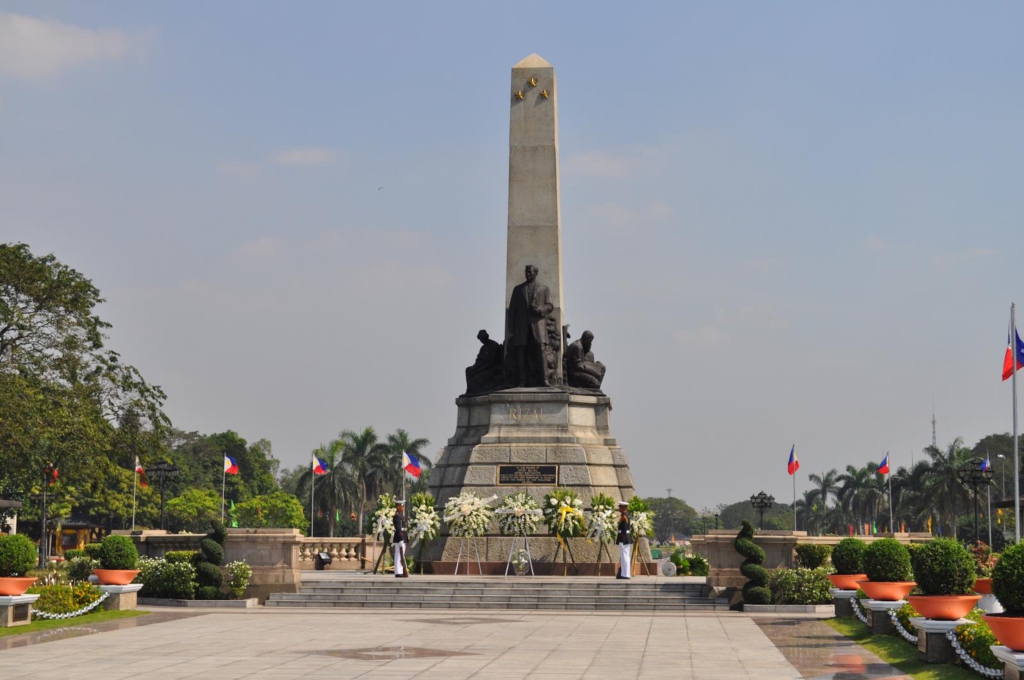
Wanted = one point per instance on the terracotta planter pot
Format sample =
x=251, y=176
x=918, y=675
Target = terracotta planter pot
x=1009, y=630
x=943, y=607
x=846, y=581
x=115, y=577
x=983, y=586
x=887, y=591
x=15, y=585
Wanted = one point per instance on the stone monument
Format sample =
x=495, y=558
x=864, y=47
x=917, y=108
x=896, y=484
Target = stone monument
x=533, y=422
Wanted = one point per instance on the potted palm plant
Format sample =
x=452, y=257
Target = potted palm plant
x=1008, y=586
x=17, y=556
x=945, y=571
x=848, y=560
x=887, y=566
x=118, y=561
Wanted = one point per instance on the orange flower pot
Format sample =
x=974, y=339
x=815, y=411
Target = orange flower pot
x=115, y=577
x=15, y=585
x=1009, y=630
x=983, y=586
x=846, y=581
x=887, y=591
x=943, y=607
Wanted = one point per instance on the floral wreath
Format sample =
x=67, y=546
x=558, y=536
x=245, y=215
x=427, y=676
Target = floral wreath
x=519, y=514
x=563, y=513
x=426, y=523
x=641, y=518
x=603, y=522
x=468, y=515
x=384, y=518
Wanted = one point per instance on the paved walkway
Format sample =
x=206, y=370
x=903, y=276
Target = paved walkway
x=414, y=644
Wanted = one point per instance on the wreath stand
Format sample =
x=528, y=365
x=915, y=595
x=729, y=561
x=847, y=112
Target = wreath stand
x=526, y=543
x=419, y=556
x=563, y=547
x=636, y=555
x=380, y=557
x=476, y=546
x=601, y=551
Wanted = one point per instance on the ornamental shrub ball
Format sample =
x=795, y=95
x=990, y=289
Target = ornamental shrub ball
x=212, y=552
x=699, y=566
x=1008, y=580
x=755, y=590
x=811, y=556
x=887, y=560
x=118, y=552
x=944, y=567
x=209, y=574
x=17, y=555
x=848, y=556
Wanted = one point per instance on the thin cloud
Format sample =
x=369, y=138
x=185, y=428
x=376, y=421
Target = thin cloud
x=312, y=155
x=961, y=256
x=36, y=49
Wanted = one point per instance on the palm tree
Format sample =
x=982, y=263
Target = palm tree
x=942, y=485
x=806, y=510
x=334, y=490
x=364, y=456
x=910, y=499
x=853, y=483
x=399, y=443
x=826, y=484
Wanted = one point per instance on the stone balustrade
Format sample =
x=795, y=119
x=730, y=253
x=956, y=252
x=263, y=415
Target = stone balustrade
x=349, y=553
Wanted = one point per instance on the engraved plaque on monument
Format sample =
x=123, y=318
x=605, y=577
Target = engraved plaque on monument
x=521, y=423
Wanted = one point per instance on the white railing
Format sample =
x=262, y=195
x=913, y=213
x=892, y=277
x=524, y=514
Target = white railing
x=346, y=553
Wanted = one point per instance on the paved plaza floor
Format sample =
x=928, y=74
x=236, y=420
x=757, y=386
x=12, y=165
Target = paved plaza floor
x=447, y=644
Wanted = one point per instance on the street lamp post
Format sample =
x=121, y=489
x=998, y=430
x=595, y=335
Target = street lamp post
x=973, y=474
x=716, y=521
x=999, y=455
x=162, y=471
x=762, y=502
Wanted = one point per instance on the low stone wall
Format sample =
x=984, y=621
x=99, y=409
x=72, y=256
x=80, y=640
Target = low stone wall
x=779, y=548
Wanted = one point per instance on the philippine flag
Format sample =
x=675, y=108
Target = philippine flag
x=986, y=464
x=883, y=467
x=411, y=464
x=230, y=466
x=319, y=466
x=1008, y=367
x=794, y=464
x=141, y=471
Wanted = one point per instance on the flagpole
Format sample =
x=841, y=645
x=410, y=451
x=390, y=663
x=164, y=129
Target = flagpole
x=1016, y=459
x=135, y=482
x=223, y=484
x=312, y=490
x=794, y=492
x=892, y=527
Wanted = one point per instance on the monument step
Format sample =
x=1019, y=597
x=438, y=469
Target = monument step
x=517, y=605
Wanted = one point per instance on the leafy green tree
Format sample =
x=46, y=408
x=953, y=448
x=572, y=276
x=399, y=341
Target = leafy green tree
x=193, y=509
x=673, y=516
x=364, y=456
x=335, y=491
x=278, y=510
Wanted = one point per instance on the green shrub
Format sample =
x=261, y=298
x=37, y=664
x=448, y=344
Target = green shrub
x=118, y=552
x=800, y=586
x=848, y=556
x=208, y=574
x=699, y=566
x=72, y=554
x=208, y=593
x=1008, y=580
x=811, y=556
x=755, y=590
x=80, y=568
x=683, y=564
x=944, y=567
x=59, y=599
x=17, y=555
x=93, y=550
x=181, y=556
x=887, y=560
x=160, y=578
x=212, y=552
x=239, y=574
x=977, y=640
x=904, y=614
x=218, y=532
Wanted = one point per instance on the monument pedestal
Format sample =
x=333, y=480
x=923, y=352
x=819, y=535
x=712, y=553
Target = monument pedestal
x=878, y=614
x=121, y=598
x=932, y=644
x=16, y=610
x=530, y=439
x=841, y=601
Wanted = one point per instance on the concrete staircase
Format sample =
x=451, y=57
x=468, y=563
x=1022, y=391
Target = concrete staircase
x=326, y=589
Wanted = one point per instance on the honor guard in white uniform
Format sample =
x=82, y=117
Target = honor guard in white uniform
x=625, y=542
x=401, y=536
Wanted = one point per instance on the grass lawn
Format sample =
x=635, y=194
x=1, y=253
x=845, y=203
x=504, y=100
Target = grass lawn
x=899, y=653
x=46, y=624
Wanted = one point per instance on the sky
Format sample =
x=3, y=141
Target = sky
x=785, y=223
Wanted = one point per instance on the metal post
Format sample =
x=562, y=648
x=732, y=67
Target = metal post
x=44, y=542
x=1016, y=455
x=977, y=536
x=990, y=514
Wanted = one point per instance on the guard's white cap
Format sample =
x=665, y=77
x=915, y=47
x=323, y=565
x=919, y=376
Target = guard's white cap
x=623, y=504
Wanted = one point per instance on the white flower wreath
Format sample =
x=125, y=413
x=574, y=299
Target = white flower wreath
x=426, y=523
x=384, y=517
x=519, y=514
x=467, y=515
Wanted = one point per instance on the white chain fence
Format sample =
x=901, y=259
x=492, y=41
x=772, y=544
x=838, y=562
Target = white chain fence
x=70, y=615
x=965, y=656
x=857, y=611
x=904, y=633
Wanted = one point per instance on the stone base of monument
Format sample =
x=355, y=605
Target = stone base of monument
x=533, y=440
x=878, y=614
x=932, y=644
x=16, y=610
x=841, y=601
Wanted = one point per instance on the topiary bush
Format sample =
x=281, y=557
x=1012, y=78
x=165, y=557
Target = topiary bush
x=211, y=551
x=1008, y=580
x=848, y=556
x=118, y=552
x=887, y=560
x=755, y=590
x=800, y=586
x=17, y=555
x=207, y=563
x=812, y=556
x=699, y=566
x=209, y=574
x=944, y=567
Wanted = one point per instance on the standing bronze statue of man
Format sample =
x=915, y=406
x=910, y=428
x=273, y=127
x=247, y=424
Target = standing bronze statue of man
x=526, y=324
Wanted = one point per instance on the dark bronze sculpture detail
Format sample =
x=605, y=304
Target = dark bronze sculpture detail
x=529, y=333
x=487, y=373
x=581, y=370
